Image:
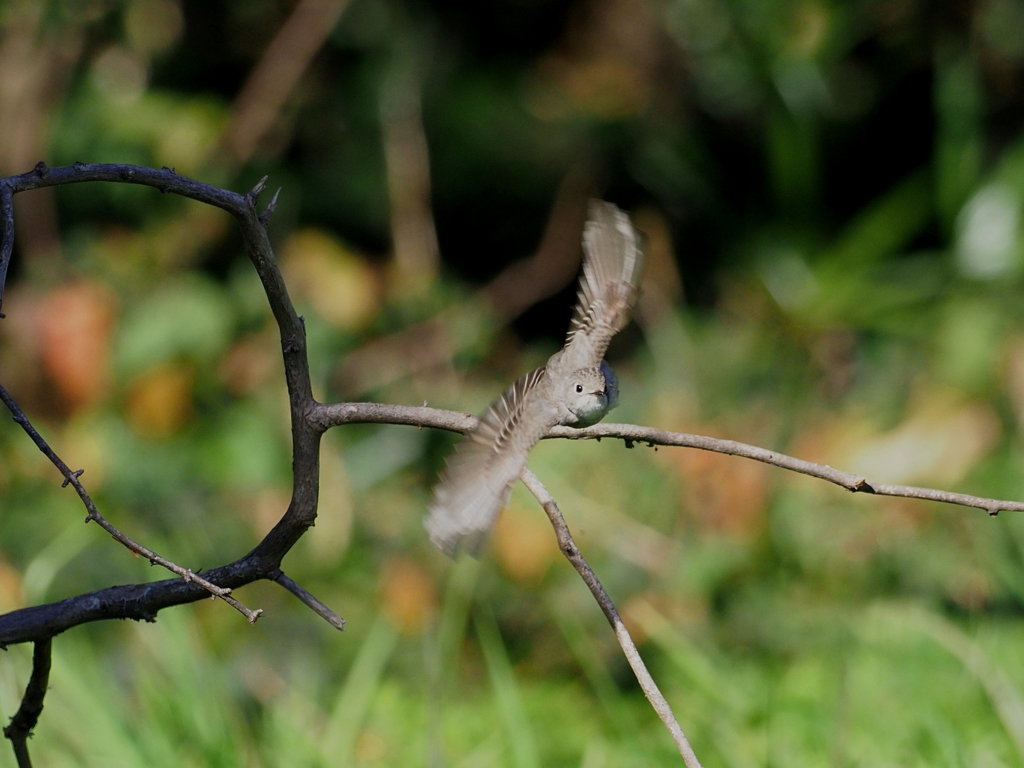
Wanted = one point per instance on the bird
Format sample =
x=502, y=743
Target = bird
x=576, y=387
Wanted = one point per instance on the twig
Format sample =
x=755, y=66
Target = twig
x=6, y=243
x=319, y=608
x=629, y=649
x=31, y=707
x=334, y=414
x=276, y=74
x=143, y=601
x=93, y=514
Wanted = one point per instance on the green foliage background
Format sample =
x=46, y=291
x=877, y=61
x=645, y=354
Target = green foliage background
x=832, y=195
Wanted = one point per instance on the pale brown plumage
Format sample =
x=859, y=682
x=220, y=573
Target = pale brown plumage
x=576, y=387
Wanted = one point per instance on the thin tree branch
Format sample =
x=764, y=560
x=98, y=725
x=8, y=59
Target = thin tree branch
x=309, y=420
x=274, y=77
x=7, y=241
x=335, y=414
x=71, y=477
x=604, y=600
x=318, y=607
x=143, y=601
x=25, y=719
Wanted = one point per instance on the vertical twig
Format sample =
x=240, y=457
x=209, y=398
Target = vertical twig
x=6, y=236
x=27, y=716
x=636, y=663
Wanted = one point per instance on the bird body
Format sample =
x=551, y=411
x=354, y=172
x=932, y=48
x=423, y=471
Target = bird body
x=576, y=387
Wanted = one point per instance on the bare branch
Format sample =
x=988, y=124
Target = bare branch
x=7, y=240
x=275, y=76
x=319, y=608
x=604, y=600
x=335, y=414
x=143, y=601
x=93, y=514
x=309, y=420
x=27, y=716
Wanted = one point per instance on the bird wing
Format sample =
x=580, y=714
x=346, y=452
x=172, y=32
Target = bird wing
x=612, y=263
x=477, y=481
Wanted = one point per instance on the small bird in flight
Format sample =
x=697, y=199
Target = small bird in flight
x=575, y=388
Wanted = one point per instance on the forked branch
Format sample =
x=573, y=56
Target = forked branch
x=309, y=420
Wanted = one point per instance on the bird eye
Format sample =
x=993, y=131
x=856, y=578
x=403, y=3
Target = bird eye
x=579, y=388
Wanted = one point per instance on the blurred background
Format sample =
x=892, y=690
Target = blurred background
x=831, y=194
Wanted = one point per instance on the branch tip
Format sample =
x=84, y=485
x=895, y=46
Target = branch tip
x=271, y=207
x=72, y=477
x=258, y=189
x=306, y=597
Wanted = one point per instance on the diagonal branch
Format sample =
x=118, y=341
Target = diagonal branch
x=572, y=553
x=93, y=514
x=314, y=603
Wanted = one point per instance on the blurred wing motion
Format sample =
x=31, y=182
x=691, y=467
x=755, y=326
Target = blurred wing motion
x=479, y=476
x=613, y=261
x=476, y=483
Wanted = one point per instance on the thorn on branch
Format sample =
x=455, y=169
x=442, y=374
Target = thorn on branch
x=74, y=476
x=271, y=207
x=628, y=443
x=257, y=190
x=41, y=170
x=993, y=511
x=861, y=485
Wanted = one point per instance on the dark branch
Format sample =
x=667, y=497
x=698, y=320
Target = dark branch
x=144, y=601
x=25, y=719
x=93, y=514
x=319, y=608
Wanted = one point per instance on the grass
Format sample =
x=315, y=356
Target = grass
x=895, y=685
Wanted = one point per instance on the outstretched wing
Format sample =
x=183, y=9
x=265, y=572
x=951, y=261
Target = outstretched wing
x=612, y=263
x=479, y=476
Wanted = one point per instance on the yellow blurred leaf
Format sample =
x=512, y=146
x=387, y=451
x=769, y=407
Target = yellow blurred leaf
x=408, y=595
x=11, y=594
x=722, y=493
x=939, y=441
x=319, y=270
x=523, y=543
x=159, y=401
